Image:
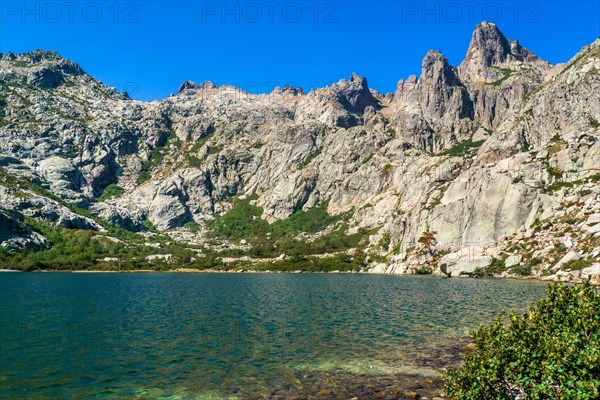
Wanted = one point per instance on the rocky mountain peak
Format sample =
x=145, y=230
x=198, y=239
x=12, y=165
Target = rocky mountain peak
x=437, y=69
x=188, y=87
x=488, y=48
x=37, y=56
x=354, y=94
x=43, y=69
x=288, y=90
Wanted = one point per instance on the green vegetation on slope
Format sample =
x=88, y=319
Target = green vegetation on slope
x=462, y=149
x=117, y=249
x=551, y=352
x=86, y=249
x=337, y=262
x=243, y=222
x=506, y=73
x=111, y=191
x=156, y=157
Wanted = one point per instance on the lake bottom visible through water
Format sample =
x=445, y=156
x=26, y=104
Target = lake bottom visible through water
x=239, y=336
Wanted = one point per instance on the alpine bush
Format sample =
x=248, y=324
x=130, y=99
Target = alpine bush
x=551, y=352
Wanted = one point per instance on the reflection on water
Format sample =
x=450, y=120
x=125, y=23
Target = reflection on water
x=209, y=336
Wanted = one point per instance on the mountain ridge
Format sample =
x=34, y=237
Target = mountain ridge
x=456, y=151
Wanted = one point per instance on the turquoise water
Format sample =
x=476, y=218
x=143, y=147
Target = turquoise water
x=246, y=336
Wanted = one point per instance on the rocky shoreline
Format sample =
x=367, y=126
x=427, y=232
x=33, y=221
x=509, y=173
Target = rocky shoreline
x=594, y=279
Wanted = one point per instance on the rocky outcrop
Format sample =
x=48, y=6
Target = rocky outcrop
x=342, y=105
x=118, y=216
x=434, y=109
x=15, y=236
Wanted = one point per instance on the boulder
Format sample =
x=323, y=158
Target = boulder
x=513, y=260
x=167, y=212
x=570, y=256
x=118, y=216
x=459, y=264
x=60, y=172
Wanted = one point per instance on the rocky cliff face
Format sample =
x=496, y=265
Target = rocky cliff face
x=480, y=154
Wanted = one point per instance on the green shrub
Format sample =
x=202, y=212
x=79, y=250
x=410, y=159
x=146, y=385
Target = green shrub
x=522, y=270
x=422, y=271
x=551, y=352
x=192, y=226
x=215, y=149
x=462, y=149
x=497, y=266
x=149, y=225
x=506, y=73
x=111, y=191
x=576, y=265
x=385, y=241
x=194, y=162
x=554, y=172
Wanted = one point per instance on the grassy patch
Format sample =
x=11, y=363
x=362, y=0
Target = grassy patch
x=215, y=149
x=506, y=73
x=576, y=265
x=111, y=191
x=462, y=149
x=194, y=162
x=244, y=221
x=497, y=266
x=192, y=226
x=387, y=168
x=21, y=64
x=559, y=185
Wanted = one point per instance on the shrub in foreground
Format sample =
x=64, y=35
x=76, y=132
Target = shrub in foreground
x=551, y=352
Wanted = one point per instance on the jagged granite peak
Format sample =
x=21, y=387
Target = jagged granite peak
x=562, y=109
x=488, y=48
x=434, y=109
x=354, y=94
x=288, y=90
x=188, y=87
x=343, y=104
x=436, y=68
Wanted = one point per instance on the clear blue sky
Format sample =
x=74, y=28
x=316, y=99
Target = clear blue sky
x=150, y=47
